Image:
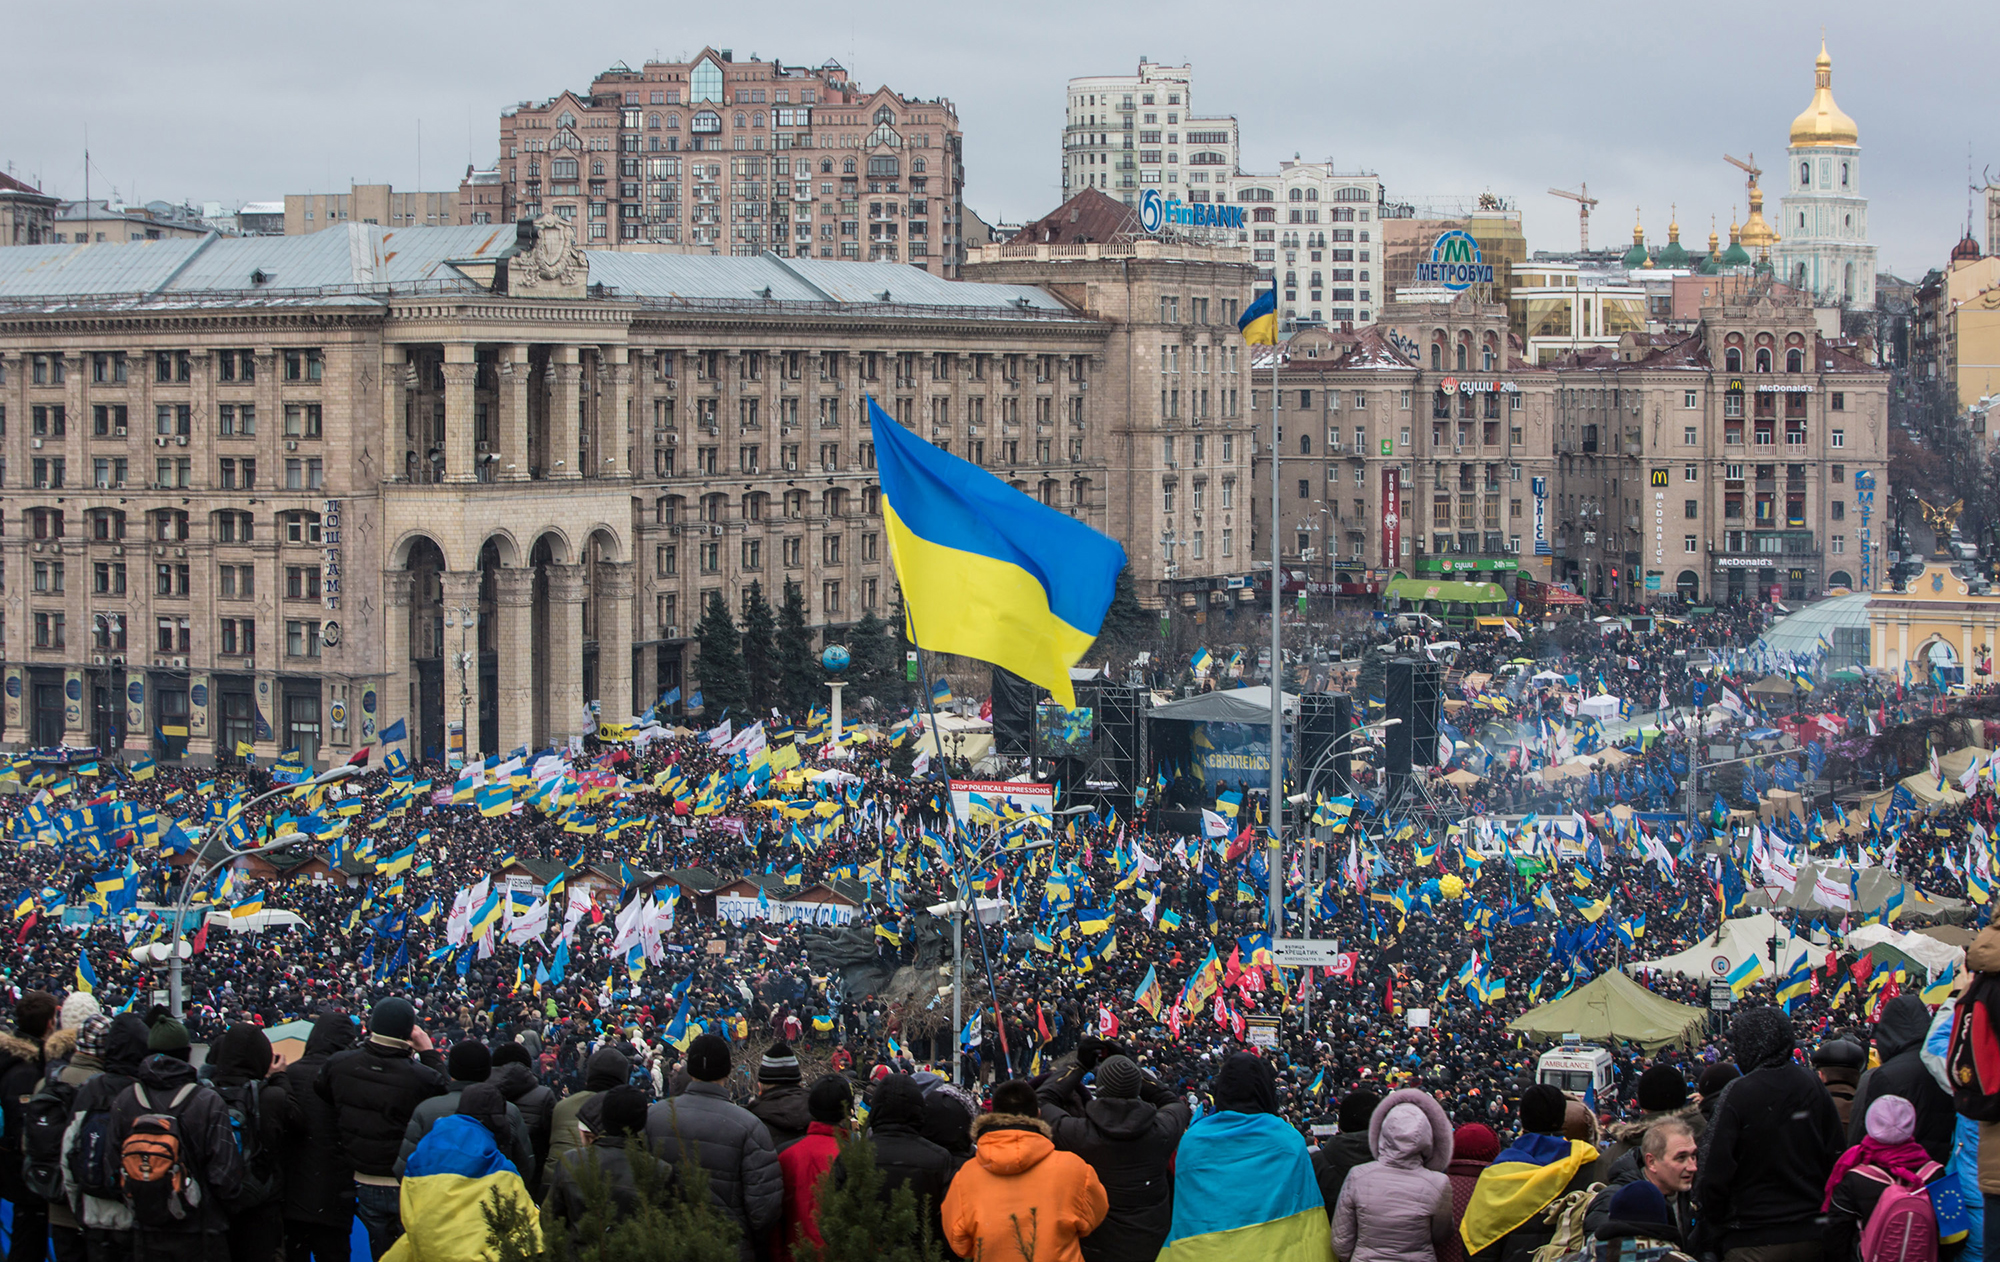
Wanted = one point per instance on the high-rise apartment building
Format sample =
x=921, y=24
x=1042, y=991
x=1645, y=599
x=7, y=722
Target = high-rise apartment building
x=719, y=156
x=1318, y=230
x=1123, y=134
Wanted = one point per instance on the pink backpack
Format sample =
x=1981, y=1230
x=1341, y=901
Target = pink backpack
x=1903, y=1227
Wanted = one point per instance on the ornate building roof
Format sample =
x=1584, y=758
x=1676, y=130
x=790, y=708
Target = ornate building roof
x=1823, y=123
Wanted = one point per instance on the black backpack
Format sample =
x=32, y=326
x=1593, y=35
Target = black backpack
x=94, y=1157
x=44, y=1120
x=260, y=1167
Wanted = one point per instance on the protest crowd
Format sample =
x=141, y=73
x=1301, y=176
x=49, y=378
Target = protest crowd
x=528, y=980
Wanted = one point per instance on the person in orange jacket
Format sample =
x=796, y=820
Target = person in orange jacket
x=1018, y=1198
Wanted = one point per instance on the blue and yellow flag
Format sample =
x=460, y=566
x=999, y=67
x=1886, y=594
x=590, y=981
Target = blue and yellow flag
x=1278, y=1216
x=986, y=570
x=1519, y=1185
x=1259, y=322
x=86, y=976
x=456, y=1172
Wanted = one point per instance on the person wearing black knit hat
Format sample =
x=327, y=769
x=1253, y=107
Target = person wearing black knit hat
x=1501, y=1223
x=1663, y=1098
x=781, y=1102
x=1347, y=1149
x=374, y=1089
x=733, y=1147
x=615, y=1149
x=1128, y=1132
x=1772, y=1143
x=470, y=1064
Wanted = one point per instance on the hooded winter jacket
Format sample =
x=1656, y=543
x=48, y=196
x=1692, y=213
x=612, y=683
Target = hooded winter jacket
x=1335, y=1160
x=124, y=1048
x=1983, y=956
x=1130, y=1144
x=1397, y=1208
x=783, y=1112
x=208, y=1147
x=319, y=1184
x=536, y=1104
x=903, y=1157
x=374, y=1089
x=1899, y=1040
x=514, y=1145
x=607, y=1068
x=1020, y=1200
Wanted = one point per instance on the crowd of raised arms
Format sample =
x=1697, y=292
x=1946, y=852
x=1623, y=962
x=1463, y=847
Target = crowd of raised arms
x=521, y=981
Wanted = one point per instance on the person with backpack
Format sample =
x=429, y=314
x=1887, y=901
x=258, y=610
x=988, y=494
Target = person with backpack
x=374, y=1089
x=514, y=1074
x=71, y=1059
x=20, y=1078
x=90, y=1162
x=1877, y=1204
x=264, y=1120
x=469, y=1065
x=319, y=1184
x=179, y=1167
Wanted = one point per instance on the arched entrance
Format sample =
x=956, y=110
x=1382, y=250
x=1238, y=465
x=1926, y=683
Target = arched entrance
x=1688, y=584
x=425, y=565
x=488, y=662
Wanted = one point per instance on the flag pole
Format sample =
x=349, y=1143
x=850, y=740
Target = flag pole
x=1276, y=856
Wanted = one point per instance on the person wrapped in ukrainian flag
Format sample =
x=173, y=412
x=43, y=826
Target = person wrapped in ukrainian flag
x=1504, y=1218
x=1243, y=1181
x=450, y=1178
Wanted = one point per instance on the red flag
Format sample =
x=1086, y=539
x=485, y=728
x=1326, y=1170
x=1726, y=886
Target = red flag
x=1174, y=1018
x=200, y=937
x=1236, y=1025
x=1863, y=968
x=1343, y=965
x=986, y=709
x=360, y=756
x=26, y=925
x=1239, y=847
x=1041, y=1022
x=1235, y=967
x=1107, y=1023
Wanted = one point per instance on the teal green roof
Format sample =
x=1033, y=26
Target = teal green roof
x=1736, y=255
x=1672, y=255
x=1636, y=256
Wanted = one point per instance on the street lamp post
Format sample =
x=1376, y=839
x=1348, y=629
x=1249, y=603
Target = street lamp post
x=176, y=956
x=1302, y=800
x=465, y=618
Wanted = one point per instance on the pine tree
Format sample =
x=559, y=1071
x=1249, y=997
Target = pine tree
x=720, y=668
x=1128, y=629
x=799, y=674
x=760, y=651
x=874, y=673
x=668, y=1224
x=859, y=1224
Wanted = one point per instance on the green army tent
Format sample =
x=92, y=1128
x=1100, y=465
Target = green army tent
x=1613, y=1006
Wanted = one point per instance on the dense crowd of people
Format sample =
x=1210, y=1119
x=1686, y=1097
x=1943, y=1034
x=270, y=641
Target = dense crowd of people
x=1140, y=1077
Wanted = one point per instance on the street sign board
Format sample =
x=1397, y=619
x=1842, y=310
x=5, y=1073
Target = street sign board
x=1261, y=1031
x=1303, y=952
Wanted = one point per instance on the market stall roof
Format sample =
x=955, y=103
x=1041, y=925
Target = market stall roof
x=1774, y=686
x=1923, y=786
x=1462, y=778
x=1237, y=705
x=1954, y=763
x=1601, y=706
x=1801, y=632
x=1613, y=1006
x=1872, y=889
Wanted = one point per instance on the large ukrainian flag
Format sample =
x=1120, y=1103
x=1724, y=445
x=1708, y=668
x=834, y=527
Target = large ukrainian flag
x=1519, y=1185
x=446, y=1183
x=1259, y=322
x=1247, y=1208
x=985, y=570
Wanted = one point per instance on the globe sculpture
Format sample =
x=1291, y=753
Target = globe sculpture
x=835, y=659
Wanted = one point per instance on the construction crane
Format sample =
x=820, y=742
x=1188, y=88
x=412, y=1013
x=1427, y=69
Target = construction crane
x=1584, y=201
x=1749, y=168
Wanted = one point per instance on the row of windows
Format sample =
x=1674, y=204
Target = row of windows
x=51, y=473
x=236, y=637
x=171, y=367
x=170, y=525
x=666, y=557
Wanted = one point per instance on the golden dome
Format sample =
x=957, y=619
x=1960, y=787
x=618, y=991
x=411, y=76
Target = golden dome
x=1757, y=234
x=1823, y=123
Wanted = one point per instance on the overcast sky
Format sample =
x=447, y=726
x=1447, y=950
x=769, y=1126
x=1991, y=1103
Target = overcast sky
x=232, y=102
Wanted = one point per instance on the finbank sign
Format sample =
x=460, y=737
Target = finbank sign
x=1156, y=212
x=1454, y=263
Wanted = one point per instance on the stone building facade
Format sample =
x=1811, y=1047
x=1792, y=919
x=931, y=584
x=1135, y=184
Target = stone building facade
x=272, y=493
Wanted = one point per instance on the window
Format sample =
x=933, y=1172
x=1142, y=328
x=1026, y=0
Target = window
x=1837, y=474
x=1837, y=438
x=302, y=582
x=1689, y=436
x=1837, y=510
x=49, y=629
x=299, y=527
x=107, y=420
x=1690, y=399
x=236, y=420
x=1837, y=402
x=1305, y=489
x=170, y=635
x=302, y=420
x=1689, y=545
x=237, y=582
x=1836, y=545
x=302, y=638
x=304, y=365
x=170, y=579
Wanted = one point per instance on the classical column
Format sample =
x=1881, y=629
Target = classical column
x=461, y=376
x=461, y=648
x=395, y=402
x=565, y=382
x=614, y=415
x=614, y=640
x=515, y=373
x=513, y=600
x=564, y=668
x=395, y=700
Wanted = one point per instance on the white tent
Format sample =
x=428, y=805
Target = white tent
x=1741, y=938
x=1934, y=955
x=1601, y=706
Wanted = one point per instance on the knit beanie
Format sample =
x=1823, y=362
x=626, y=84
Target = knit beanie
x=79, y=1008
x=623, y=1111
x=831, y=1100
x=1716, y=1077
x=393, y=1017
x=1891, y=1120
x=1118, y=1078
x=708, y=1058
x=512, y=1054
x=1662, y=1089
x=1640, y=1202
x=1356, y=1108
x=1542, y=1109
x=169, y=1036
x=1474, y=1141
x=469, y=1061
x=780, y=1066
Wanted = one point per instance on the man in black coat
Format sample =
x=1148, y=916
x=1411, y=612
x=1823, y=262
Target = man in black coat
x=1128, y=1133
x=319, y=1184
x=903, y=1157
x=20, y=1077
x=514, y=1074
x=1767, y=1152
x=614, y=1152
x=1347, y=1149
x=239, y=1068
x=1899, y=1041
x=374, y=1088
x=167, y=1085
